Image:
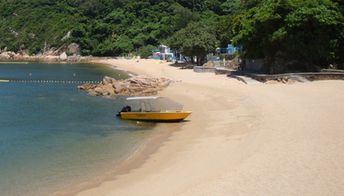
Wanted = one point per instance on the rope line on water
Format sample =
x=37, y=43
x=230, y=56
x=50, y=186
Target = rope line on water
x=50, y=81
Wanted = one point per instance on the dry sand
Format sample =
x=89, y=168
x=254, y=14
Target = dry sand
x=254, y=139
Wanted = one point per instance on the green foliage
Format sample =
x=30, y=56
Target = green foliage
x=304, y=34
x=29, y=24
x=197, y=39
x=123, y=45
x=300, y=34
x=146, y=51
x=101, y=27
x=230, y=7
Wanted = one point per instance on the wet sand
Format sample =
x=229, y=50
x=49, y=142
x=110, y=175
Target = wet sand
x=254, y=139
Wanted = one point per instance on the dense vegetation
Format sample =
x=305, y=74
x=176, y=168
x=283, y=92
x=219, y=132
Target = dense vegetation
x=101, y=27
x=298, y=34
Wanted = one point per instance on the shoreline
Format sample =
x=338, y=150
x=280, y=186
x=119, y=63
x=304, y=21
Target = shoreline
x=241, y=139
x=156, y=142
x=134, y=159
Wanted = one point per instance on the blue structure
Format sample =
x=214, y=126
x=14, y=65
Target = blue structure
x=230, y=50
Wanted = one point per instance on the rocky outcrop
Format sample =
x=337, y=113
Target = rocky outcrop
x=8, y=55
x=65, y=53
x=71, y=49
x=63, y=57
x=24, y=56
x=67, y=36
x=135, y=86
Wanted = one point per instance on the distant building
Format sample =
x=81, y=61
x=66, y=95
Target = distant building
x=163, y=53
x=230, y=50
x=164, y=49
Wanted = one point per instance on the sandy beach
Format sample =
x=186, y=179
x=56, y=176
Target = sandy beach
x=254, y=139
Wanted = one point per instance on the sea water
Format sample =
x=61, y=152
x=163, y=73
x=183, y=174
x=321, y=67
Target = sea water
x=53, y=136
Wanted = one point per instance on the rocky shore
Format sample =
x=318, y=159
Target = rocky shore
x=65, y=53
x=135, y=86
x=63, y=58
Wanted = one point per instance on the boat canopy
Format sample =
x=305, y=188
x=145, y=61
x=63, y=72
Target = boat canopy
x=141, y=98
x=152, y=104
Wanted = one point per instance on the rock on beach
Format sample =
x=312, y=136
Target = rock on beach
x=135, y=86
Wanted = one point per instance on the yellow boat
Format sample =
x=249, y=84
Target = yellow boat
x=156, y=116
x=153, y=109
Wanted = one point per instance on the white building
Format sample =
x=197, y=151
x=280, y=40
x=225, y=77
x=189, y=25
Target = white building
x=165, y=53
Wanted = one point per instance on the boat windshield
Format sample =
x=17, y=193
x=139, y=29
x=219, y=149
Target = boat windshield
x=152, y=104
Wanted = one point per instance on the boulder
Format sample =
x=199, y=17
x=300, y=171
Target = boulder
x=4, y=55
x=92, y=93
x=118, y=87
x=63, y=56
x=134, y=86
x=86, y=86
x=73, y=49
x=108, y=80
x=98, y=89
x=108, y=90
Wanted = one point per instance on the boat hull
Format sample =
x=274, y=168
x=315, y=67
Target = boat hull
x=155, y=116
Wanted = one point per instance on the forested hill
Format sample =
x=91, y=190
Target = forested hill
x=285, y=33
x=101, y=27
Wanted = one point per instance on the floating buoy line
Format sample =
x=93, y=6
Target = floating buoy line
x=50, y=81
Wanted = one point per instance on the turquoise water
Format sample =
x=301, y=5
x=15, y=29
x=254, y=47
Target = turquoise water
x=53, y=136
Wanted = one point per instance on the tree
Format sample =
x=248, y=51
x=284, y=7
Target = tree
x=183, y=16
x=123, y=45
x=105, y=48
x=291, y=34
x=197, y=39
x=230, y=7
x=145, y=51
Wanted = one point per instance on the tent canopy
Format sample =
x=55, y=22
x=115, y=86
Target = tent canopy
x=152, y=104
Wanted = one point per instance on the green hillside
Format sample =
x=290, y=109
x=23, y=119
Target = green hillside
x=310, y=32
x=101, y=27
